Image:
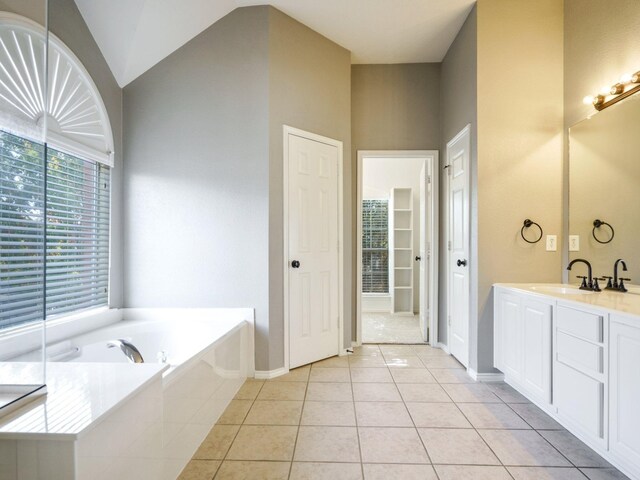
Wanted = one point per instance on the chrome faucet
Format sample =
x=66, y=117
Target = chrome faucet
x=128, y=348
x=588, y=283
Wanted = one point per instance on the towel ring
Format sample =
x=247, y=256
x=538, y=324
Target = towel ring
x=527, y=223
x=599, y=223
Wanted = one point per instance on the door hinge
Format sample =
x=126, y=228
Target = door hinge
x=449, y=245
x=449, y=319
x=429, y=180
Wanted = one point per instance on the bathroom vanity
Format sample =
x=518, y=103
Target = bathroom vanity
x=575, y=354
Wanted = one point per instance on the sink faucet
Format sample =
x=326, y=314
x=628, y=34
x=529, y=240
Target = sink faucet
x=588, y=283
x=128, y=348
x=617, y=285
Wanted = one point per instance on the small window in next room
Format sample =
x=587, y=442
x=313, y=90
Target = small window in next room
x=375, y=246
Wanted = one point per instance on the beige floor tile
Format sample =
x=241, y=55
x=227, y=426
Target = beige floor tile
x=382, y=414
x=603, y=474
x=200, y=470
x=412, y=375
x=572, y=448
x=330, y=374
x=234, y=470
x=274, y=412
x=235, y=412
x=367, y=350
x=282, y=391
x=535, y=417
x=451, y=375
x=336, y=392
x=300, y=374
x=260, y=442
x=423, y=392
x=545, y=473
x=507, y=393
x=367, y=361
x=441, y=362
x=376, y=392
x=371, y=375
x=327, y=444
x=332, y=362
x=525, y=448
x=456, y=447
x=492, y=415
x=249, y=390
x=391, y=445
x=325, y=471
x=428, y=351
x=471, y=472
x=397, y=349
x=340, y=414
x=388, y=471
x=437, y=415
x=476, y=393
x=403, y=361
x=217, y=442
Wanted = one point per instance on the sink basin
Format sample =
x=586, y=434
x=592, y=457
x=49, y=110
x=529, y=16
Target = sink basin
x=560, y=290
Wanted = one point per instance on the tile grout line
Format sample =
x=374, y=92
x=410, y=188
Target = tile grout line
x=355, y=416
x=295, y=443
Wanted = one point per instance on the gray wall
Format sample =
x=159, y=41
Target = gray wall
x=196, y=187
x=393, y=107
x=310, y=89
x=459, y=107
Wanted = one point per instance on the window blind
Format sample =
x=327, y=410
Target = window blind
x=375, y=246
x=58, y=261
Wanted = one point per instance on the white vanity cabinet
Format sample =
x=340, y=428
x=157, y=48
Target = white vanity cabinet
x=580, y=371
x=624, y=391
x=522, y=338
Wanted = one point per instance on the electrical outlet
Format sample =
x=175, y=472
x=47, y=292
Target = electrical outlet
x=552, y=243
x=574, y=243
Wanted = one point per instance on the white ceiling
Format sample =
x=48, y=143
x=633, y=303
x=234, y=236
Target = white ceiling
x=134, y=35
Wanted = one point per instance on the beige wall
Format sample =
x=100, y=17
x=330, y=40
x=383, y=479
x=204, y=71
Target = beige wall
x=393, y=107
x=310, y=89
x=520, y=125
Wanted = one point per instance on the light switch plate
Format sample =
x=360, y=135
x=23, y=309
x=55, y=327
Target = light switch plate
x=574, y=243
x=552, y=243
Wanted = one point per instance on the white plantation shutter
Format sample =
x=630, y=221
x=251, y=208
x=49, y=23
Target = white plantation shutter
x=375, y=246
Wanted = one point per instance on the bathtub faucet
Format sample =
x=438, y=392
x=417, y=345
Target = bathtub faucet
x=128, y=349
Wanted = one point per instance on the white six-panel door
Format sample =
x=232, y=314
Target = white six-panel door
x=458, y=170
x=313, y=250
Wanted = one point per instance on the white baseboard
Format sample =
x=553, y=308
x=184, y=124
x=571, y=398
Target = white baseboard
x=486, y=377
x=268, y=374
x=356, y=344
x=443, y=347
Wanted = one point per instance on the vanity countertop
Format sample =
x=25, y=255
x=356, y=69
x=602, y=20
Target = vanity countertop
x=628, y=303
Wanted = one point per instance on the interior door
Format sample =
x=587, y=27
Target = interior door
x=313, y=250
x=424, y=257
x=458, y=261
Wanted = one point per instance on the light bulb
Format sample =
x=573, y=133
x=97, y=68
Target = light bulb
x=588, y=100
x=626, y=78
x=604, y=91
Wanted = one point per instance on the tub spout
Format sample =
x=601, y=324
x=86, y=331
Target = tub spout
x=129, y=349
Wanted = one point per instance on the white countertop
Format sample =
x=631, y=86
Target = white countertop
x=80, y=395
x=628, y=303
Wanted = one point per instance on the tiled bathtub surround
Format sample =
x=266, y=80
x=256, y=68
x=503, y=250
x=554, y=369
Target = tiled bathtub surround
x=389, y=412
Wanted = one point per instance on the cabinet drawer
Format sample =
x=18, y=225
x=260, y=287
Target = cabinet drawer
x=581, y=324
x=580, y=353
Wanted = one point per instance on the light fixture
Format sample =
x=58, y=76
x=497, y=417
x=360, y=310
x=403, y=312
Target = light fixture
x=625, y=87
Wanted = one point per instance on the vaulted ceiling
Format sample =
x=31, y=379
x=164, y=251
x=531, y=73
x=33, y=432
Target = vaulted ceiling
x=134, y=35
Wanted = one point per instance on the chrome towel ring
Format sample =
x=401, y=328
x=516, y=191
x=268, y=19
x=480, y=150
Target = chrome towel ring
x=528, y=223
x=599, y=223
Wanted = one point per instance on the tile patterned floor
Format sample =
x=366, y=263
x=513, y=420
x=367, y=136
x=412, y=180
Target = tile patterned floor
x=389, y=412
x=389, y=328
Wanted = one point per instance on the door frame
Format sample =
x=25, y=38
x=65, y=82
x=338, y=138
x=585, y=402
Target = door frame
x=292, y=131
x=432, y=163
x=447, y=187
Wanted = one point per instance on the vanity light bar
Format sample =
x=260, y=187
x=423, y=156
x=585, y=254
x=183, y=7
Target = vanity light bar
x=626, y=86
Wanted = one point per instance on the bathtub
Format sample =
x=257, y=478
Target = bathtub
x=208, y=354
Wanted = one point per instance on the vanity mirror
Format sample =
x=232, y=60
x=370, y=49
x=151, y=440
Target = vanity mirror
x=604, y=188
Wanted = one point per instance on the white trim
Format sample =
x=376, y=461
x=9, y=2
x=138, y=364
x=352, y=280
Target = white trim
x=443, y=347
x=269, y=374
x=466, y=130
x=286, y=132
x=486, y=377
x=355, y=344
x=432, y=163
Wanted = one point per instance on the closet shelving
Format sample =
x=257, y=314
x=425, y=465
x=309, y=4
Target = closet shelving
x=401, y=250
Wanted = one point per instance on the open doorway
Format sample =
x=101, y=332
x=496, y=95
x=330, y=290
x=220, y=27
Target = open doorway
x=397, y=242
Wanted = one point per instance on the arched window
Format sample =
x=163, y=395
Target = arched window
x=56, y=150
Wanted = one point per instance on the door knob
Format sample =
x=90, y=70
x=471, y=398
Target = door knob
x=418, y=258
x=461, y=263
x=295, y=264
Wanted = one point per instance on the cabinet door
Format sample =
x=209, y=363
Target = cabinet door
x=536, y=372
x=511, y=335
x=624, y=423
